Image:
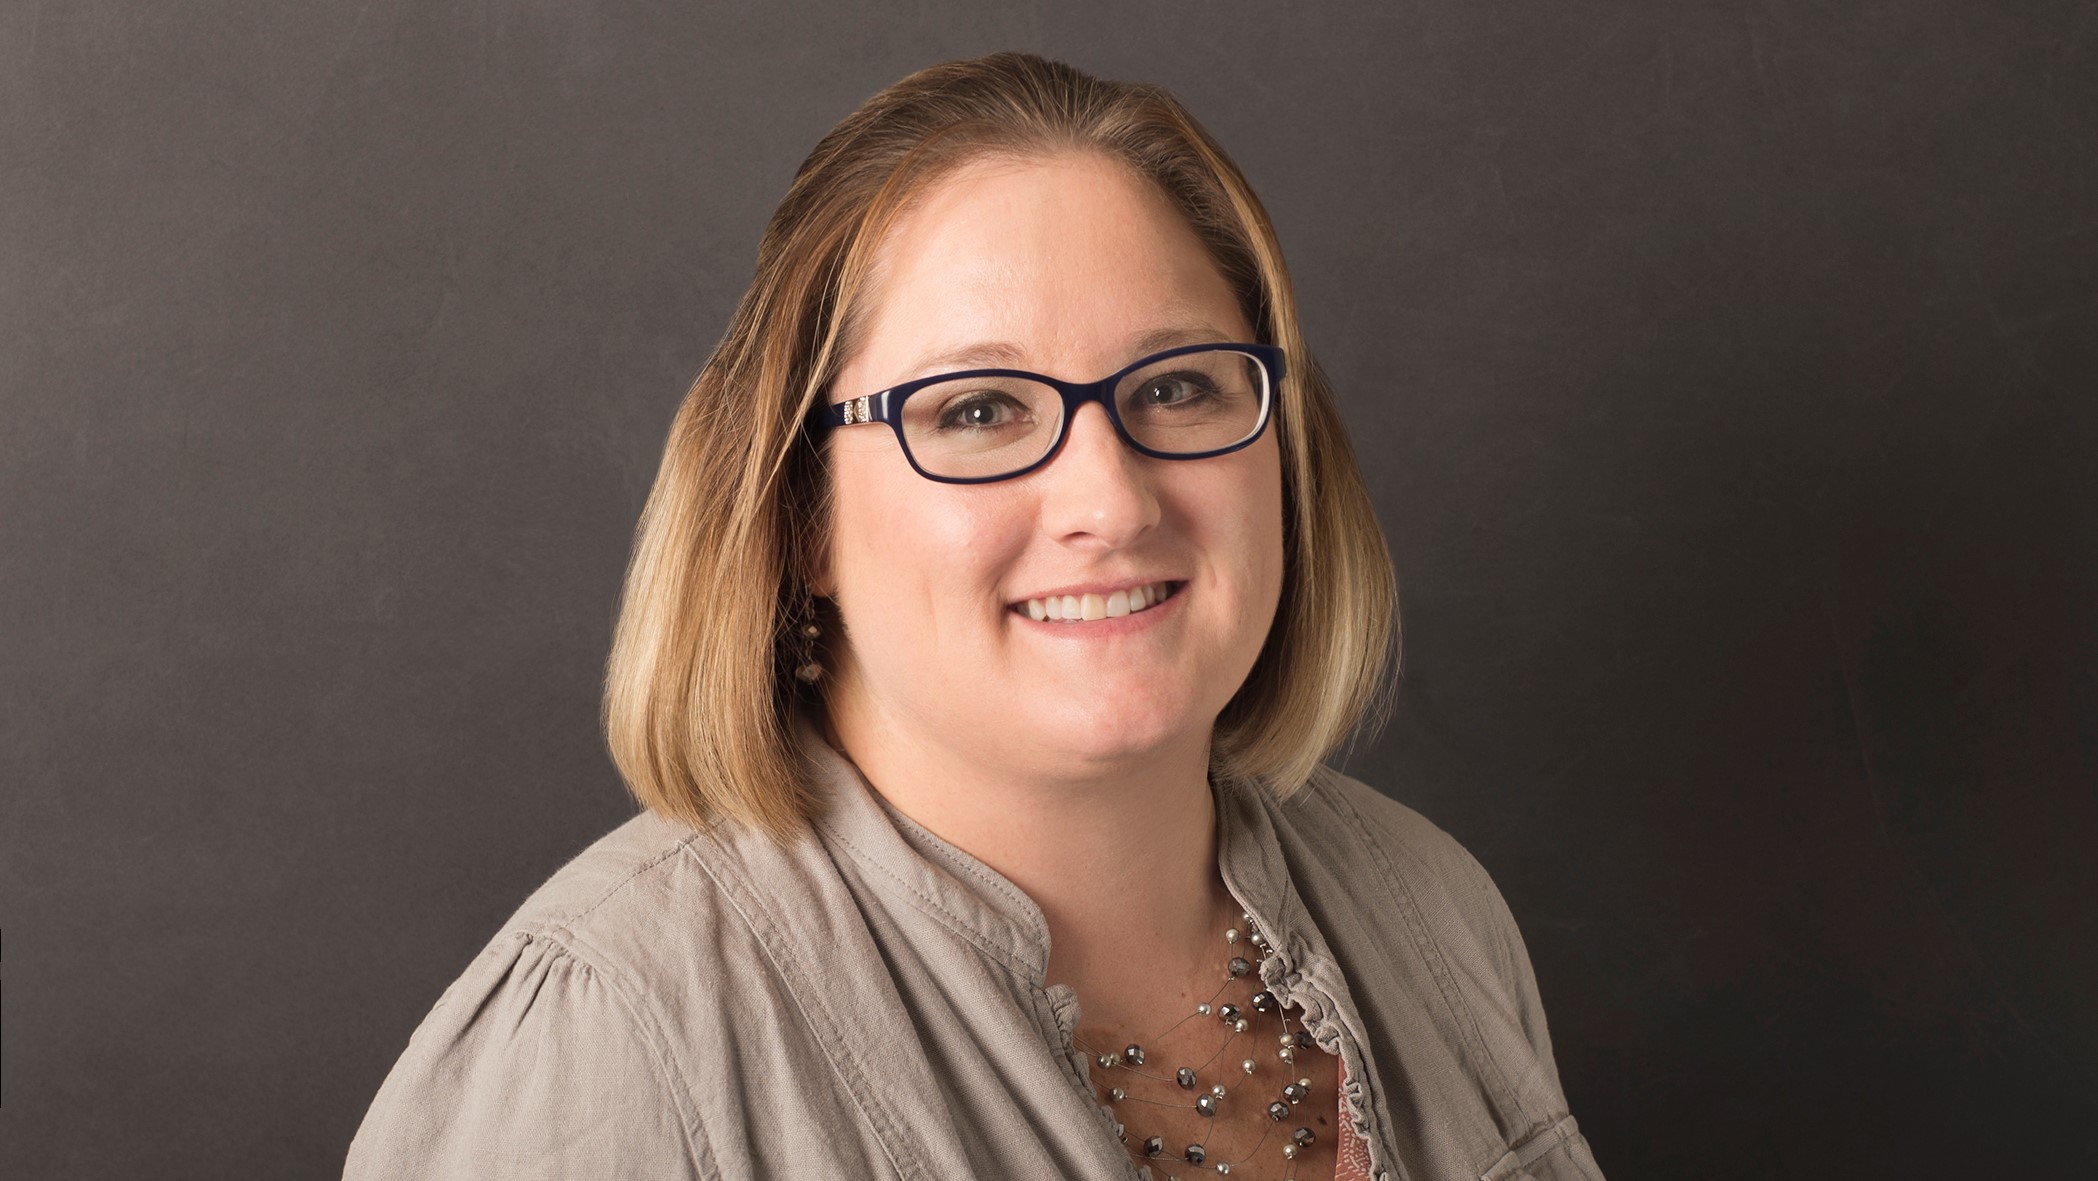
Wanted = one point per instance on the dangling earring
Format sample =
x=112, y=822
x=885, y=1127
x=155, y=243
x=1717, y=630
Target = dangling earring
x=808, y=670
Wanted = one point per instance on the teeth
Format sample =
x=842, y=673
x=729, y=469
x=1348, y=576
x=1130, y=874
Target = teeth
x=1087, y=607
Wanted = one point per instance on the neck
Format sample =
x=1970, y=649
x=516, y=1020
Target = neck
x=1121, y=859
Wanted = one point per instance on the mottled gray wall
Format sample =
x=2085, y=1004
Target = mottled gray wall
x=1723, y=371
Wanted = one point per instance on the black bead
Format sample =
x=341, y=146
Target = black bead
x=1239, y=966
x=1263, y=1001
x=1294, y=1093
x=1206, y=1104
x=1277, y=1110
x=1194, y=1154
x=1154, y=1146
x=1303, y=1039
x=1185, y=1077
x=1303, y=1137
x=1228, y=1014
x=1133, y=1054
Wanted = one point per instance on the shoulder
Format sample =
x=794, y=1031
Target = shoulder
x=603, y=906
x=1441, y=901
x=1345, y=812
x=1358, y=833
x=681, y=926
x=535, y=1063
x=564, y=1048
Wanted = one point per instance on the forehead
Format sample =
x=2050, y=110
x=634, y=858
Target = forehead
x=1064, y=263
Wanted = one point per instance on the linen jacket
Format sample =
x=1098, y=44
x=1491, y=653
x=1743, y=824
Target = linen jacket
x=869, y=1002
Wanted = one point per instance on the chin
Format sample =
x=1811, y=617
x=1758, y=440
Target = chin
x=1114, y=731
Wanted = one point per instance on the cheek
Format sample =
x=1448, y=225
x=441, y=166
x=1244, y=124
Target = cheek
x=1271, y=538
x=910, y=556
x=1241, y=513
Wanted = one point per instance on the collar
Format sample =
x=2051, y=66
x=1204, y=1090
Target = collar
x=912, y=865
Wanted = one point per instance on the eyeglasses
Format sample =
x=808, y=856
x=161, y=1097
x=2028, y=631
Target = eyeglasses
x=981, y=425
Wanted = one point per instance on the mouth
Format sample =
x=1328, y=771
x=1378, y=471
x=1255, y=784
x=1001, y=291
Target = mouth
x=1089, y=606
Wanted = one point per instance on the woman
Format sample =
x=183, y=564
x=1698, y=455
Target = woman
x=1006, y=577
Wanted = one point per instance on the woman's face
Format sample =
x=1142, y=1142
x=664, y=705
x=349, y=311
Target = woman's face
x=1073, y=267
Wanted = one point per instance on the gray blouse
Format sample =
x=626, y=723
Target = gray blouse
x=869, y=1002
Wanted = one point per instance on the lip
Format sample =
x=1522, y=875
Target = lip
x=1103, y=589
x=1113, y=626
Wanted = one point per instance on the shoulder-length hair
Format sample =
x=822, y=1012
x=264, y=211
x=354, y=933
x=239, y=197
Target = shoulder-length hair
x=700, y=696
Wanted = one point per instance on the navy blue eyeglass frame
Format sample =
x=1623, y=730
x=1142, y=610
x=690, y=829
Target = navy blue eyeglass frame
x=886, y=406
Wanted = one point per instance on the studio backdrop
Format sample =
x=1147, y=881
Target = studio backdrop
x=1724, y=374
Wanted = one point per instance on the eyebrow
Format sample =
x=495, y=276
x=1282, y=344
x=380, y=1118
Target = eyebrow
x=998, y=354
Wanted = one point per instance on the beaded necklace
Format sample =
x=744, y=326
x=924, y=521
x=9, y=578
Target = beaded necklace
x=1209, y=1101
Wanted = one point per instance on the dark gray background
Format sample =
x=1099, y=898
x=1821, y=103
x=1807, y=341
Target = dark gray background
x=1723, y=372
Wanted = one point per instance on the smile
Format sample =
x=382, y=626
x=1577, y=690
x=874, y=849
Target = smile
x=1086, y=607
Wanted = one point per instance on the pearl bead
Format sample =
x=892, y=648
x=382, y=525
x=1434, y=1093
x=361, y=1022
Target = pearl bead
x=1203, y=1009
x=1288, y=1055
x=1119, y=1094
x=1241, y=1025
x=1217, y=1090
x=1223, y=1168
x=1287, y=1039
x=1248, y=1066
x=1305, y=1083
x=1289, y=1151
x=1231, y=935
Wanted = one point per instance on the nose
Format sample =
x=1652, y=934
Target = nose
x=1097, y=493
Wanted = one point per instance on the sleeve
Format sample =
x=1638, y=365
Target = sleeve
x=532, y=1065
x=1512, y=957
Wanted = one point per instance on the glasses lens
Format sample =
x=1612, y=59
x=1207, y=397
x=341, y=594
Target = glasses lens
x=1195, y=402
x=977, y=427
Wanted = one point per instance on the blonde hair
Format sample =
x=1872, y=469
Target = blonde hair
x=700, y=697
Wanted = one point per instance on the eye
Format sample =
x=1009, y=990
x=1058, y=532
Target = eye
x=981, y=411
x=1174, y=389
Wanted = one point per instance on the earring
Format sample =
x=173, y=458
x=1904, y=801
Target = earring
x=808, y=671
